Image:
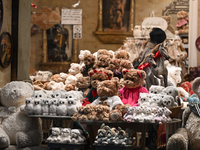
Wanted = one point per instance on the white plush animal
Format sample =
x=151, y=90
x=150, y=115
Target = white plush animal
x=37, y=107
x=40, y=94
x=76, y=136
x=74, y=68
x=148, y=115
x=70, y=80
x=66, y=135
x=62, y=107
x=59, y=93
x=55, y=135
x=168, y=101
x=139, y=114
x=57, y=86
x=144, y=100
x=45, y=106
x=53, y=106
x=137, y=31
x=156, y=89
x=156, y=101
x=29, y=106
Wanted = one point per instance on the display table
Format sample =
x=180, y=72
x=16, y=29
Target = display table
x=81, y=146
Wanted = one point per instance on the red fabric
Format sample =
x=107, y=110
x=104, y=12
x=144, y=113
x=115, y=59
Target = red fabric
x=141, y=67
x=94, y=92
x=157, y=55
x=131, y=95
x=187, y=87
x=181, y=22
x=85, y=102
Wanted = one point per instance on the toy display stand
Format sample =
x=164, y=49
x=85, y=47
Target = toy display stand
x=80, y=146
x=114, y=147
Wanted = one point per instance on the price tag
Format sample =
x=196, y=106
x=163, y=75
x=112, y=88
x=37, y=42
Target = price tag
x=77, y=31
x=71, y=16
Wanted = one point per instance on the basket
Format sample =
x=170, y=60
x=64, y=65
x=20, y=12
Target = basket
x=175, y=111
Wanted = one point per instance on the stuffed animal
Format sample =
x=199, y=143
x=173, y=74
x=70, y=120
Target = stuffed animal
x=102, y=113
x=70, y=80
x=53, y=106
x=122, y=54
x=96, y=76
x=66, y=135
x=80, y=112
x=37, y=109
x=148, y=115
x=169, y=26
x=137, y=31
x=74, y=69
x=61, y=109
x=69, y=87
x=59, y=94
x=83, y=84
x=29, y=106
x=57, y=78
x=102, y=61
x=173, y=91
x=144, y=100
x=129, y=136
x=133, y=81
x=115, y=67
x=156, y=101
x=45, y=106
x=76, y=136
x=89, y=61
x=82, y=54
x=90, y=112
x=105, y=52
x=42, y=76
x=110, y=134
x=101, y=137
x=16, y=127
x=159, y=115
x=39, y=94
x=168, y=101
x=166, y=114
x=193, y=99
x=126, y=64
x=156, y=89
x=55, y=135
x=128, y=117
x=139, y=114
x=121, y=137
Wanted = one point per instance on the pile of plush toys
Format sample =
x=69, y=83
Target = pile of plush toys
x=112, y=136
x=55, y=103
x=66, y=135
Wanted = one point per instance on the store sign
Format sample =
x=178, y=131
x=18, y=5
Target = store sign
x=155, y=22
x=77, y=31
x=71, y=16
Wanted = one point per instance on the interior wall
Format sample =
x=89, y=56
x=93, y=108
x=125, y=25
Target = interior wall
x=5, y=73
x=89, y=23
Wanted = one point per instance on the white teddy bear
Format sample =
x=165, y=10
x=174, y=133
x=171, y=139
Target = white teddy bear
x=29, y=106
x=57, y=85
x=55, y=135
x=76, y=136
x=139, y=114
x=66, y=135
x=61, y=109
x=45, y=106
x=74, y=68
x=16, y=127
x=53, y=106
x=149, y=116
x=37, y=109
x=144, y=100
x=59, y=94
x=70, y=80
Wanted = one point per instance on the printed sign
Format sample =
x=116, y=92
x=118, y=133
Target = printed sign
x=77, y=31
x=71, y=16
x=155, y=22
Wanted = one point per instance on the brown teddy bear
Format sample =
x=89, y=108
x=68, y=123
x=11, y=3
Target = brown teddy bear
x=80, y=112
x=133, y=81
x=122, y=54
x=83, y=84
x=102, y=113
x=96, y=76
x=102, y=61
x=69, y=87
x=104, y=52
x=90, y=112
x=126, y=64
x=57, y=78
x=182, y=23
x=118, y=112
x=89, y=61
x=115, y=67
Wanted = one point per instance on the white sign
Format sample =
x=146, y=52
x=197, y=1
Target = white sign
x=155, y=22
x=77, y=31
x=71, y=16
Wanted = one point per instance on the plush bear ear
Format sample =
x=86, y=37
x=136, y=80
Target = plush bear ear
x=124, y=71
x=128, y=55
x=143, y=74
x=109, y=73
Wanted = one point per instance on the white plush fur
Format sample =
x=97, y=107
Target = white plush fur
x=17, y=128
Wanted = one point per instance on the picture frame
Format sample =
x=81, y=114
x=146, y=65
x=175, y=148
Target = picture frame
x=6, y=49
x=115, y=21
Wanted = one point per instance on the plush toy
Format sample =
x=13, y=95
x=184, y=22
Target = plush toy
x=59, y=94
x=66, y=135
x=42, y=76
x=159, y=115
x=29, y=106
x=148, y=115
x=82, y=54
x=52, y=85
x=70, y=80
x=61, y=109
x=121, y=137
x=90, y=112
x=139, y=114
x=45, y=106
x=74, y=68
x=193, y=99
x=168, y=101
x=101, y=136
x=96, y=76
x=173, y=91
x=80, y=112
x=37, y=109
x=55, y=135
x=57, y=78
x=102, y=61
x=110, y=134
x=137, y=31
x=53, y=106
x=169, y=26
x=39, y=94
x=156, y=89
x=166, y=114
x=76, y=136
x=89, y=61
x=128, y=117
x=126, y=64
x=105, y=52
x=69, y=87
x=156, y=101
x=102, y=113
x=144, y=100
x=133, y=81
x=115, y=67
x=16, y=127
x=129, y=136
x=122, y=54
x=83, y=84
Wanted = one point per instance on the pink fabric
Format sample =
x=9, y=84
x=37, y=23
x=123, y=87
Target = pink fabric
x=131, y=95
x=181, y=22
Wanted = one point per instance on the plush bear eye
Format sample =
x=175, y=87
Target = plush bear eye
x=40, y=95
x=57, y=94
x=155, y=92
x=70, y=96
x=132, y=79
x=35, y=96
x=151, y=91
x=66, y=97
x=170, y=92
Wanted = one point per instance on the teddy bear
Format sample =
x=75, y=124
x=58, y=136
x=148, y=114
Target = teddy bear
x=66, y=135
x=29, y=106
x=105, y=52
x=52, y=85
x=102, y=61
x=144, y=100
x=74, y=69
x=57, y=78
x=182, y=23
x=110, y=134
x=148, y=115
x=89, y=61
x=61, y=109
x=70, y=80
x=55, y=135
x=126, y=64
x=69, y=87
x=83, y=84
x=53, y=106
x=121, y=137
x=102, y=113
x=96, y=76
x=76, y=136
x=139, y=114
x=80, y=112
x=107, y=91
x=156, y=89
x=45, y=106
x=115, y=67
x=159, y=117
x=101, y=137
x=122, y=54
x=166, y=114
x=59, y=94
x=129, y=115
x=38, y=85
x=90, y=112
x=82, y=54
x=133, y=81
x=23, y=130
x=37, y=109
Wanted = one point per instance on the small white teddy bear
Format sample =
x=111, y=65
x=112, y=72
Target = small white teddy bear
x=139, y=114
x=61, y=109
x=149, y=116
x=74, y=68
x=156, y=89
x=37, y=109
x=29, y=106
x=55, y=135
x=66, y=135
x=144, y=100
x=53, y=106
x=76, y=136
x=45, y=106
